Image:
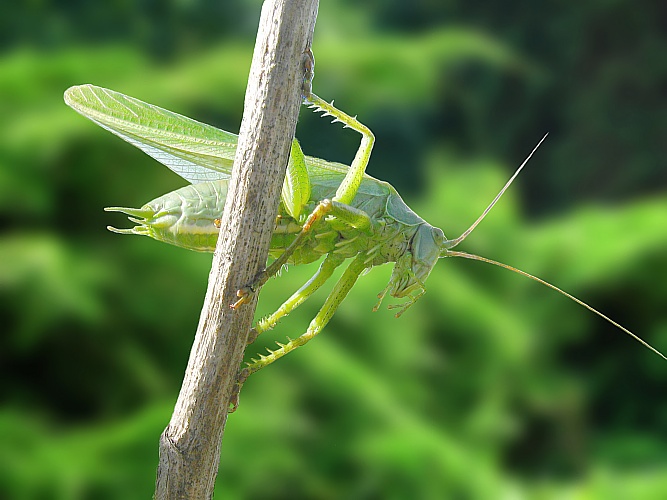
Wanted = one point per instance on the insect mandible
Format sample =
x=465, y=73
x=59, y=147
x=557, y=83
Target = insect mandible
x=327, y=210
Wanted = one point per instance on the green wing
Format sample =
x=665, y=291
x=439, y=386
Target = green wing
x=196, y=151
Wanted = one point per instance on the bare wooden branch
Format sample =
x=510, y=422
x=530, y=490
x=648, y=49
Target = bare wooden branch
x=190, y=445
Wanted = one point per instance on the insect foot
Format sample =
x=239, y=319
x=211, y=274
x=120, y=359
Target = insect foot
x=252, y=336
x=308, y=73
x=245, y=295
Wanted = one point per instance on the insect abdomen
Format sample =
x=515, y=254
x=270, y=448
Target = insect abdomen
x=188, y=217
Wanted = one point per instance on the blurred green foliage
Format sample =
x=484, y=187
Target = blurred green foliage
x=489, y=387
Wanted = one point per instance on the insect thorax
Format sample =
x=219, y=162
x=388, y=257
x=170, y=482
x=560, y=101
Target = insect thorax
x=388, y=240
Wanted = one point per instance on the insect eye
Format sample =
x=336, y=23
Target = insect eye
x=438, y=235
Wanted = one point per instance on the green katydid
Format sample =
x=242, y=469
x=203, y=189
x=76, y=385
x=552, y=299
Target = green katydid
x=327, y=210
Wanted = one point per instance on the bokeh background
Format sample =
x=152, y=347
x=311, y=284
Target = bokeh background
x=489, y=387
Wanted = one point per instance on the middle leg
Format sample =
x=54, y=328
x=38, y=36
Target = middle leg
x=349, y=215
x=326, y=269
x=339, y=292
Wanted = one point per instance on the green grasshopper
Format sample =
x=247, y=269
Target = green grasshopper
x=327, y=209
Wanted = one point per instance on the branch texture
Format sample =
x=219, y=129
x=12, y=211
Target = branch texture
x=190, y=445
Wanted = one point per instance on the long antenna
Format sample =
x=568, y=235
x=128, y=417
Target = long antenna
x=453, y=243
x=571, y=297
